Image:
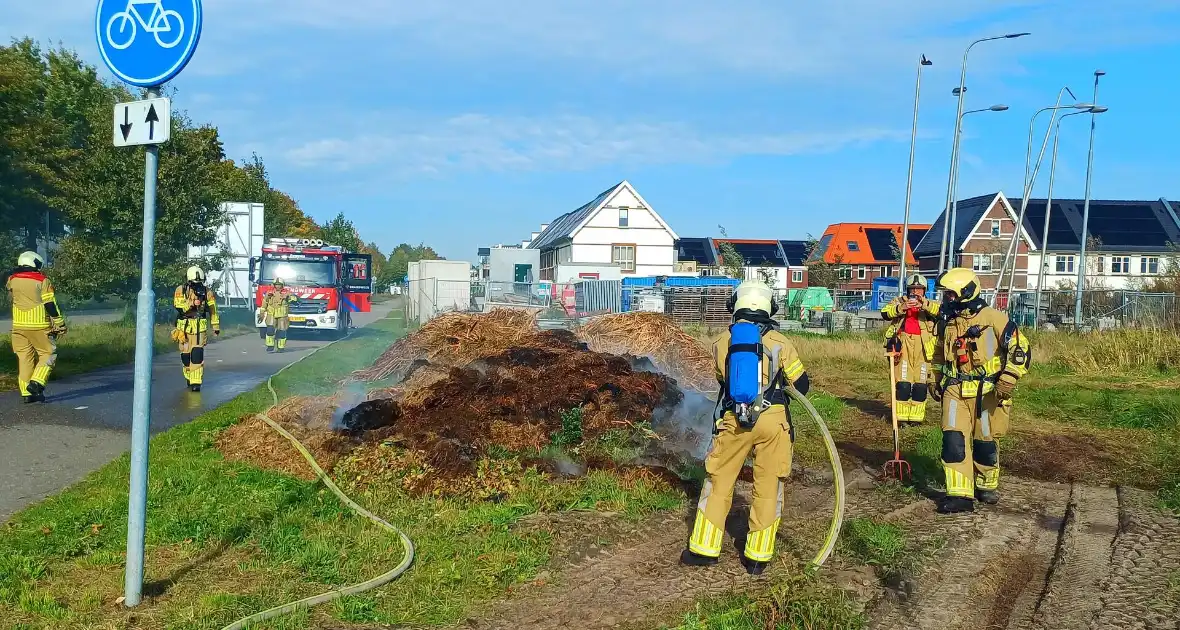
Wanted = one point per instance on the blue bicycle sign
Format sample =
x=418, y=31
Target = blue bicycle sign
x=147, y=42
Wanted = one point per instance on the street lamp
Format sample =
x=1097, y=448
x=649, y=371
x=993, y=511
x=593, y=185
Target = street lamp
x=909, y=182
x=1077, y=305
x=1008, y=267
x=955, y=146
x=1095, y=109
x=954, y=205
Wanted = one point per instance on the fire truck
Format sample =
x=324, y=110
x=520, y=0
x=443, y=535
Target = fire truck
x=331, y=283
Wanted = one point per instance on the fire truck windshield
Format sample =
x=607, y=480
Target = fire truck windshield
x=298, y=269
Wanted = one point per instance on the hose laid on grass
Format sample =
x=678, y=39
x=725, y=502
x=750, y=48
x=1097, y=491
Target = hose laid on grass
x=367, y=585
x=837, y=477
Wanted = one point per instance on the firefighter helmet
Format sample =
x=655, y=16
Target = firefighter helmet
x=915, y=280
x=195, y=274
x=963, y=282
x=30, y=259
x=753, y=295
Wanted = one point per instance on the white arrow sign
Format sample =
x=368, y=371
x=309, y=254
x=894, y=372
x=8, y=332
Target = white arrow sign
x=143, y=122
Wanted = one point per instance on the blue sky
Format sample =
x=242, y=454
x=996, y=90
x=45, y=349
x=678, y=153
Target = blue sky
x=466, y=123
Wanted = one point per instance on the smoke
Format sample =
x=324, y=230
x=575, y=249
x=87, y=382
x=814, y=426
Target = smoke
x=687, y=428
x=354, y=394
x=566, y=465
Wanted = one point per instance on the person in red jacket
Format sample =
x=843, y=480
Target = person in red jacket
x=910, y=337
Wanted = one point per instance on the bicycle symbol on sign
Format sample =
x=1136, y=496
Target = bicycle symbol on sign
x=161, y=21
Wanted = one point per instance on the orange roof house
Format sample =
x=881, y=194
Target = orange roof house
x=867, y=243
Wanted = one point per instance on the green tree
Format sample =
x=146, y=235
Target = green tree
x=341, y=231
x=400, y=259
x=820, y=272
x=731, y=261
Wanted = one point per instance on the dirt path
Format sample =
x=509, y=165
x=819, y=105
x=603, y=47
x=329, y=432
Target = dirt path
x=1050, y=557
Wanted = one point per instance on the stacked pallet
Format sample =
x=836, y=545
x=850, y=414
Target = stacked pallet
x=707, y=305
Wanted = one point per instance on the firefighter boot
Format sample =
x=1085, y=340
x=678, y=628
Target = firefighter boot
x=753, y=567
x=36, y=392
x=691, y=559
x=955, y=505
x=990, y=497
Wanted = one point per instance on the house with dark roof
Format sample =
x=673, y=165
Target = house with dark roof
x=778, y=263
x=615, y=233
x=864, y=251
x=1128, y=240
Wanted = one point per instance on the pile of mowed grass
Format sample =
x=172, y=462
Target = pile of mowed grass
x=226, y=539
x=90, y=347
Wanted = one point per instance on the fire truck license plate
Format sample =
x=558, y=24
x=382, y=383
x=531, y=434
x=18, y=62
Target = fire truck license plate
x=298, y=318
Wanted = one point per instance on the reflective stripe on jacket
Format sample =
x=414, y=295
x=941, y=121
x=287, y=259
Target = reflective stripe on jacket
x=31, y=291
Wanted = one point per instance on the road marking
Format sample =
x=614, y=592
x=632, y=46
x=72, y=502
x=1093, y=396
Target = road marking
x=81, y=408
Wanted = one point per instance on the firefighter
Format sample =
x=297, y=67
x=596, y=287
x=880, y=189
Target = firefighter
x=196, y=313
x=753, y=362
x=277, y=306
x=37, y=322
x=910, y=337
x=979, y=356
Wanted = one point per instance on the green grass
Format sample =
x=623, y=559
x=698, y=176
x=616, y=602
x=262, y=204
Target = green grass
x=1101, y=405
x=90, y=347
x=256, y=539
x=797, y=601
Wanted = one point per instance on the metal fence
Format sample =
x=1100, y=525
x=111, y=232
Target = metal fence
x=1101, y=309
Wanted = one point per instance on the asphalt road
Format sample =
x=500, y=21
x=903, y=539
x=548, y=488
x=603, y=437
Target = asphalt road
x=86, y=421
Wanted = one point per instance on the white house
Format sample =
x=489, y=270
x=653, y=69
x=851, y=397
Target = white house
x=1129, y=241
x=617, y=232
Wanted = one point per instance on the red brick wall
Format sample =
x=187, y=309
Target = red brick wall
x=791, y=284
x=981, y=242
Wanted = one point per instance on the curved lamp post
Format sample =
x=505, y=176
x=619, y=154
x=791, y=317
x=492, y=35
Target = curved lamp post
x=1096, y=109
x=955, y=146
x=950, y=247
x=909, y=182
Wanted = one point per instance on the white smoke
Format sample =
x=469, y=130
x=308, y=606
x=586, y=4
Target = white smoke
x=687, y=428
x=354, y=394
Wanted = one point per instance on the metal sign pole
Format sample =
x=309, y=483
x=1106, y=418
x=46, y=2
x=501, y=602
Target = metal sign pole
x=145, y=51
x=145, y=324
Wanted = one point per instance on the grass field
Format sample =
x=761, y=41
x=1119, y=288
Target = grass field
x=244, y=539
x=92, y=346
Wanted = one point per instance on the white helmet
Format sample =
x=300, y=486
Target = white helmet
x=30, y=259
x=754, y=296
x=195, y=274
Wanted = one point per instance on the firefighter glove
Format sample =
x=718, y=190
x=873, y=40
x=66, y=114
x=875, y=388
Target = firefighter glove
x=935, y=390
x=1005, y=386
x=217, y=331
x=178, y=335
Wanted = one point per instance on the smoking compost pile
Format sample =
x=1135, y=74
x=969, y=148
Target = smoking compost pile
x=464, y=387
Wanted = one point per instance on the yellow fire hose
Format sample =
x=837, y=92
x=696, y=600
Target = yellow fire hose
x=837, y=477
x=367, y=585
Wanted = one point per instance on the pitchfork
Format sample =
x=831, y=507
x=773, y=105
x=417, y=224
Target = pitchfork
x=896, y=468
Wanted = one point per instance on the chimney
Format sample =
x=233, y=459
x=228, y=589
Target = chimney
x=544, y=226
x=534, y=236
x=524, y=244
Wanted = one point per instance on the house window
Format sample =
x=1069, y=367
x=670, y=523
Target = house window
x=981, y=263
x=1149, y=265
x=995, y=227
x=853, y=246
x=845, y=273
x=797, y=276
x=884, y=271
x=1102, y=264
x=623, y=217
x=860, y=272
x=624, y=257
x=1120, y=264
x=1065, y=264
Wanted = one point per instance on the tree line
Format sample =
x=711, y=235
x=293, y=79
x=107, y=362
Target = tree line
x=63, y=182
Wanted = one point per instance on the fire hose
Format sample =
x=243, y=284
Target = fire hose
x=367, y=585
x=837, y=478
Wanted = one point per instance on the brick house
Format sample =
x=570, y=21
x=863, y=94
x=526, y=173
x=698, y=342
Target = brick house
x=1130, y=240
x=864, y=251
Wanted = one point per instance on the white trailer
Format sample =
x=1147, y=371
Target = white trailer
x=239, y=239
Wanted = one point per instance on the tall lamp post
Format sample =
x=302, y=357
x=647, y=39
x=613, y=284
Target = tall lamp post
x=1008, y=267
x=1096, y=109
x=909, y=182
x=1077, y=305
x=950, y=246
x=955, y=146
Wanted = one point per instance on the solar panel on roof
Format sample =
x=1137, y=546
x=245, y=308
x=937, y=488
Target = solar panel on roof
x=795, y=251
x=882, y=243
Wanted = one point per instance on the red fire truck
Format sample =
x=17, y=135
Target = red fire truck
x=330, y=282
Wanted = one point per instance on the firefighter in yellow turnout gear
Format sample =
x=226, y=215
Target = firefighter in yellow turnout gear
x=753, y=361
x=277, y=306
x=37, y=321
x=978, y=359
x=196, y=313
x=910, y=336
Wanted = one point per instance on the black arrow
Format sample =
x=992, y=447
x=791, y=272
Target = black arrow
x=126, y=126
x=151, y=120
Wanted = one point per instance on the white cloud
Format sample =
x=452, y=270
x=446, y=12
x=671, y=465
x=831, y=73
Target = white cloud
x=476, y=142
